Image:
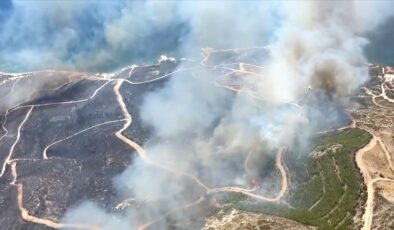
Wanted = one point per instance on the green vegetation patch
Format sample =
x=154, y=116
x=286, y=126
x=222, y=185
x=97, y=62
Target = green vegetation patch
x=326, y=192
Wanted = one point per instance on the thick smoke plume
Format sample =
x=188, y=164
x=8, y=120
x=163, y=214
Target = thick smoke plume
x=105, y=35
x=316, y=60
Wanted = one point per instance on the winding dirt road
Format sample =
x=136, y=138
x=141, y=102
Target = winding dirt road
x=368, y=214
x=7, y=161
x=29, y=218
x=359, y=159
x=368, y=180
x=140, y=151
x=156, y=220
x=26, y=216
x=384, y=95
x=280, y=194
x=44, y=153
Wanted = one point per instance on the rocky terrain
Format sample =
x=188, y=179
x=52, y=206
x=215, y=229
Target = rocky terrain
x=245, y=220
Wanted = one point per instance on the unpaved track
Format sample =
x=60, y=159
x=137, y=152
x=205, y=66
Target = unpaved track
x=141, y=152
x=373, y=96
x=65, y=102
x=44, y=153
x=359, y=159
x=368, y=214
x=280, y=194
x=47, y=104
x=386, y=152
x=7, y=160
x=29, y=218
x=384, y=95
x=13, y=162
x=338, y=203
x=163, y=76
x=150, y=223
x=323, y=188
x=368, y=180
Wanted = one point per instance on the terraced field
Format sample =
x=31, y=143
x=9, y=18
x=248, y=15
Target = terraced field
x=326, y=189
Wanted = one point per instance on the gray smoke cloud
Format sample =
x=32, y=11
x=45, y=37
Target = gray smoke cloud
x=201, y=128
x=19, y=88
x=92, y=215
x=84, y=35
x=91, y=35
x=107, y=35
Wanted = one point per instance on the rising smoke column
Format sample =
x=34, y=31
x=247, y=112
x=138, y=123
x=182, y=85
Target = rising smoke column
x=318, y=45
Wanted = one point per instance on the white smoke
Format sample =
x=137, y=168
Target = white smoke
x=201, y=128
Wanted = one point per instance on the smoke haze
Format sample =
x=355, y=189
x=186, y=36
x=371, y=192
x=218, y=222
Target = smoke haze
x=199, y=127
x=91, y=35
